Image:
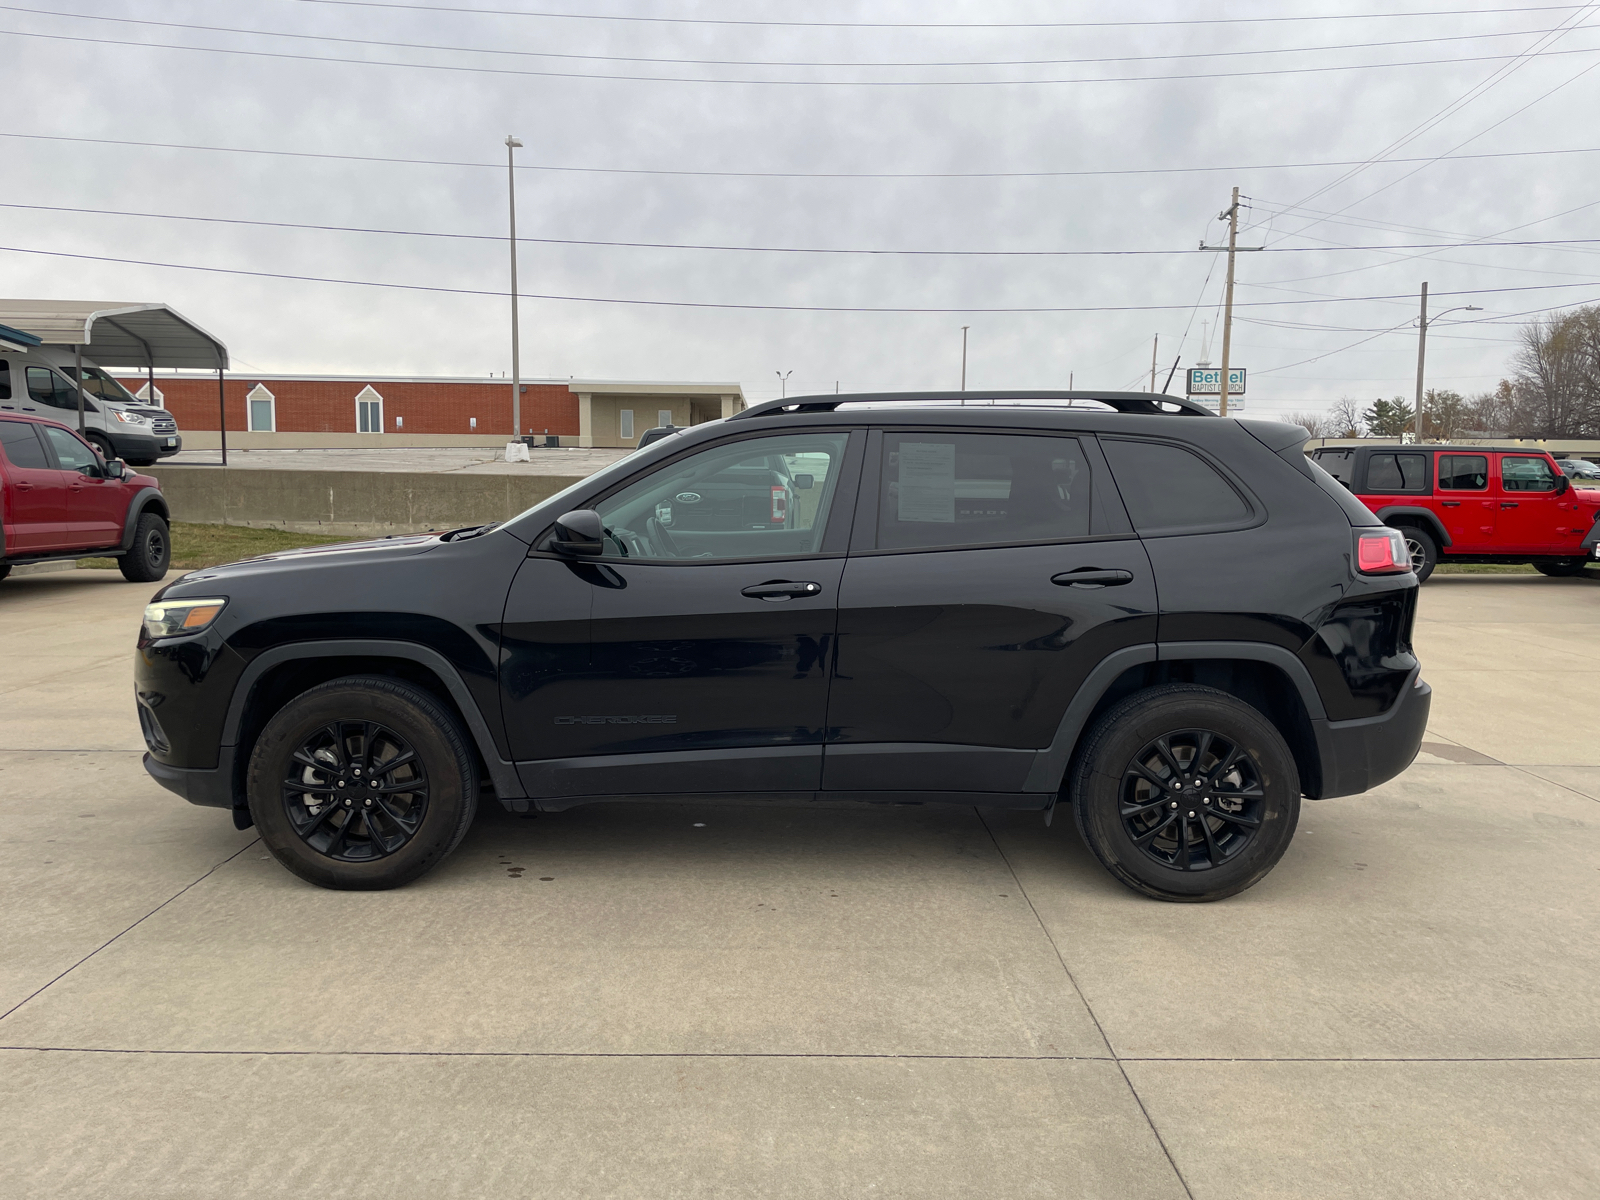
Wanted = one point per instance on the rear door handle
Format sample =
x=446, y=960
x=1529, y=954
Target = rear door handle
x=1092, y=577
x=1450, y=503
x=1508, y=504
x=781, y=589
x=24, y=486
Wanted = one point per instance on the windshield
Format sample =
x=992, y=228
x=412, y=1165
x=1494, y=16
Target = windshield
x=97, y=383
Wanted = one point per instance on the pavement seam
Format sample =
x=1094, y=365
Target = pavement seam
x=1087, y=1007
x=1532, y=774
x=217, y=867
x=778, y=1054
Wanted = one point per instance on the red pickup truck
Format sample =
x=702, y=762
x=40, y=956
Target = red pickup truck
x=60, y=499
x=1473, y=504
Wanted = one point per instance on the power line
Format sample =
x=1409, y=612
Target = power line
x=825, y=250
x=568, y=16
x=416, y=287
x=829, y=83
x=552, y=167
x=718, y=62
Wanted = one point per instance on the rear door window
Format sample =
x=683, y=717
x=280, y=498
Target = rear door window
x=22, y=446
x=1397, y=473
x=941, y=489
x=1463, y=472
x=1170, y=489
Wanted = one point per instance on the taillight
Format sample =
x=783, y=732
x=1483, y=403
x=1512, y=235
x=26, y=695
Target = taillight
x=1381, y=552
x=780, y=505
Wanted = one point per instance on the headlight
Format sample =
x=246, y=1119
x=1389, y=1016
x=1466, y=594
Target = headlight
x=128, y=418
x=171, y=617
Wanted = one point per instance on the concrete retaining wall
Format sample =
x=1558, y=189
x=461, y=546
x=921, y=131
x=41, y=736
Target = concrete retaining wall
x=210, y=439
x=349, y=502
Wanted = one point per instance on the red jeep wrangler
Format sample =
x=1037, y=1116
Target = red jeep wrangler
x=1473, y=504
x=60, y=499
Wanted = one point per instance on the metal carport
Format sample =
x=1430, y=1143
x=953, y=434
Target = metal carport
x=121, y=335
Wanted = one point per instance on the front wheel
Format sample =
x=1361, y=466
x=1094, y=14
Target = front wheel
x=362, y=783
x=1423, y=549
x=1186, y=793
x=150, y=555
x=1565, y=569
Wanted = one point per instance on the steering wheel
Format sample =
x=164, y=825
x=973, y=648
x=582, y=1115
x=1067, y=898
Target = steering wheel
x=661, y=539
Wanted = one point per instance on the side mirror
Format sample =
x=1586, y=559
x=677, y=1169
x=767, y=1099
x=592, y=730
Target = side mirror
x=579, y=532
x=804, y=482
x=1562, y=484
x=116, y=468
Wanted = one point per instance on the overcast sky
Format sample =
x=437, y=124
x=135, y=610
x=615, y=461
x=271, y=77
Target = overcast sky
x=1103, y=141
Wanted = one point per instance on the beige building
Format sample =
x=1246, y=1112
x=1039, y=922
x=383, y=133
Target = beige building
x=616, y=414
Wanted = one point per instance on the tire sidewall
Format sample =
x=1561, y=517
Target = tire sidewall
x=139, y=565
x=1429, y=547
x=1132, y=726
x=449, y=780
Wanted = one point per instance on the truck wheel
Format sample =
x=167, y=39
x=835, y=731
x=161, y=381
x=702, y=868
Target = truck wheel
x=99, y=442
x=1423, y=549
x=5, y=569
x=1565, y=569
x=151, y=553
x=1186, y=793
x=362, y=783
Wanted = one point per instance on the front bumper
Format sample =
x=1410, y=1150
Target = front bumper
x=1359, y=755
x=143, y=446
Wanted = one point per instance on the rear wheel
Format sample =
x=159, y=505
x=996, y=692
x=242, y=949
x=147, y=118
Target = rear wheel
x=1186, y=793
x=1423, y=549
x=362, y=783
x=150, y=555
x=1564, y=569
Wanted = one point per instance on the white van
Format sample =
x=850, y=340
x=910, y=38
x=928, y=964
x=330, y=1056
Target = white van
x=39, y=382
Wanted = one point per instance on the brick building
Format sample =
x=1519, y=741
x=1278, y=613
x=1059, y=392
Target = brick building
x=580, y=412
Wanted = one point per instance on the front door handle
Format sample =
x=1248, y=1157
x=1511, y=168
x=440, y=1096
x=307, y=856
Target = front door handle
x=781, y=589
x=1092, y=577
x=1508, y=504
x=24, y=486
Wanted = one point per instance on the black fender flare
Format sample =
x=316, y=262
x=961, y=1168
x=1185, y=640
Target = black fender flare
x=501, y=772
x=1050, y=764
x=1427, y=518
x=144, y=500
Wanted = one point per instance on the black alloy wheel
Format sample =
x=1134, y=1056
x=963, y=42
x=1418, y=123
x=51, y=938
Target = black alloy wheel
x=1191, y=800
x=1185, y=793
x=148, y=558
x=1424, y=551
x=356, y=791
x=362, y=783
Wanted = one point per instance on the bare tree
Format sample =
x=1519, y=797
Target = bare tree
x=1315, y=424
x=1344, y=419
x=1555, y=391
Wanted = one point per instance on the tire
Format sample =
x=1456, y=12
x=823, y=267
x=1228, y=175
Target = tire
x=428, y=800
x=1424, y=551
x=150, y=555
x=5, y=569
x=100, y=443
x=140, y=462
x=1117, y=807
x=1565, y=569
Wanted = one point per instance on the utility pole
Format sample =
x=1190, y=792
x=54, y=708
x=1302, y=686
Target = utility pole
x=512, y=146
x=1422, y=352
x=1231, y=215
x=1154, y=346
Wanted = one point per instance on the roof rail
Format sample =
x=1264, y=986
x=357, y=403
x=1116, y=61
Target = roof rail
x=1141, y=403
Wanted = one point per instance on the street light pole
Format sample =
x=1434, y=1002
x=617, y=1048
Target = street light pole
x=1422, y=346
x=964, y=329
x=512, y=146
x=783, y=383
x=1231, y=215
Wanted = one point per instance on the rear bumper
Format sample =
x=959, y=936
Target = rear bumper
x=1359, y=755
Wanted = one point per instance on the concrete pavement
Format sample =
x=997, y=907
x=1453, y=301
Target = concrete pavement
x=703, y=1000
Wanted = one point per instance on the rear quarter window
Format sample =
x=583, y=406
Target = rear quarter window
x=1397, y=473
x=1170, y=489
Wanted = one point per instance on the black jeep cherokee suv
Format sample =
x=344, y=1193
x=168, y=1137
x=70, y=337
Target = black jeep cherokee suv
x=1175, y=624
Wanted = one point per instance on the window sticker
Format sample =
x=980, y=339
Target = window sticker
x=927, y=482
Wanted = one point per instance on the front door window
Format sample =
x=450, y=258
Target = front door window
x=1530, y=511
x=766, y=497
